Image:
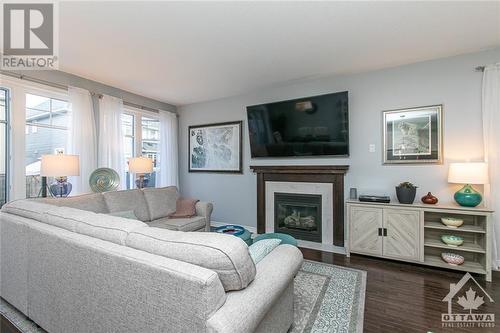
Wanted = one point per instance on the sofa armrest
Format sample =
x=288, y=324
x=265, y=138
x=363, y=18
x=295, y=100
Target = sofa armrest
x=205, y=209
x=244, y=309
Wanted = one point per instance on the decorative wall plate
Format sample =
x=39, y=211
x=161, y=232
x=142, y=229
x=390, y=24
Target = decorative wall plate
x=104, y=180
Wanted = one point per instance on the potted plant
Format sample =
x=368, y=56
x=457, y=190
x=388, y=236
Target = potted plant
x=406, y=192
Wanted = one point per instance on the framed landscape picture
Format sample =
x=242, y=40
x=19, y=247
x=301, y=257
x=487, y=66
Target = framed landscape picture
x=215, y=147
x=413, y=135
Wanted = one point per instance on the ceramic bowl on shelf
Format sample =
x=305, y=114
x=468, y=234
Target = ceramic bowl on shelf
x=451, y=240
x=452, y=222
x=452, y=258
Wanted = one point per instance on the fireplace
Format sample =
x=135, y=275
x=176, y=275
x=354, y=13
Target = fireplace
x=324, y=180
x=298, y=215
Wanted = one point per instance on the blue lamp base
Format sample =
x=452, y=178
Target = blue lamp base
x=467, y=196
x=61, y=187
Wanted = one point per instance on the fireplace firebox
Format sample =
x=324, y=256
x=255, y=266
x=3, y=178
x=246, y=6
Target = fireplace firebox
x=298, y=215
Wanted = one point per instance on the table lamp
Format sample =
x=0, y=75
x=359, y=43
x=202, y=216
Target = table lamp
x=140, y=166
x=60, y=166
x=468, y=173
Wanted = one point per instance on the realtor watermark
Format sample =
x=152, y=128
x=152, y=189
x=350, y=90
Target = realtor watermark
x=471, y=299
x=29, y=36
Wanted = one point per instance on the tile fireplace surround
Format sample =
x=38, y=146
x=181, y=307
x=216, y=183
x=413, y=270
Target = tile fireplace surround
x=325, y=180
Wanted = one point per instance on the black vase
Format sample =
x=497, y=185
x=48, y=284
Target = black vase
x=406, y=195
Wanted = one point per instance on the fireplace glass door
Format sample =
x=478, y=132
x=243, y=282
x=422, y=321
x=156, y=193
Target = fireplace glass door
x=298, y=215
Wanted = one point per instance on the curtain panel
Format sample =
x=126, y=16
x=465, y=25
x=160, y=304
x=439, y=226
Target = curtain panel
x=168, y=157
x=491, y=139
x=110, y=148
x=82, y=138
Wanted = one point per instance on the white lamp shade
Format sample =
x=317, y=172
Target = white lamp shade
x=468, y=173
x=60, y=165
x=140, y=165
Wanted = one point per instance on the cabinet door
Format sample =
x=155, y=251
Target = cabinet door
x=364, y=224
x=402, y=238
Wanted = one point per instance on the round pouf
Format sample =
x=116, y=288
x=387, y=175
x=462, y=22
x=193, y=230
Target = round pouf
x=285, y=239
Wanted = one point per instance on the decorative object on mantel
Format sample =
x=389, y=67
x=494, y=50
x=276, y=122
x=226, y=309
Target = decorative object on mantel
x=141, y=166
x=60, y=166
x=429, y=199
x=104, y=180
x=452, y=240
x=406, y=192
x=452, y=222
x=413, y=135
x=452, y=258
x=215, y=147
x=468, y=173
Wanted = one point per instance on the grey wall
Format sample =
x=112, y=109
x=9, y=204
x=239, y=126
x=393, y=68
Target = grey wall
x=451, y=82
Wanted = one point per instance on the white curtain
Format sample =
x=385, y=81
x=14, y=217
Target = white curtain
x=111, y=151
x=82, y=137
x=491, y=136
x=168, y=157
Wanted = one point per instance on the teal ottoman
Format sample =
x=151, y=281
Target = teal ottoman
x=285, y=239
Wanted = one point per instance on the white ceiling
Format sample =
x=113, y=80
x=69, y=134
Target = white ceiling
x=187, y=52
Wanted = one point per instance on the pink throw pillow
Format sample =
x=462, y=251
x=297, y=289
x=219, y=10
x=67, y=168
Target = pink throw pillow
x=185, y=207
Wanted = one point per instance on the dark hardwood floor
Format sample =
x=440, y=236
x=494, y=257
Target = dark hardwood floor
x=399, y=297
x=404, y=297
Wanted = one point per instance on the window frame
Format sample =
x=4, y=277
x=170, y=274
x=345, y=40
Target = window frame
x=18, y=89
x=138, y=114
x=7, y=160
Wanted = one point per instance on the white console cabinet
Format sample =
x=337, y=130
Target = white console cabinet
x=413, y=233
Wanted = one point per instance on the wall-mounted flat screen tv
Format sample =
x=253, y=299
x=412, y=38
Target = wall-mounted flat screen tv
x=309, y=126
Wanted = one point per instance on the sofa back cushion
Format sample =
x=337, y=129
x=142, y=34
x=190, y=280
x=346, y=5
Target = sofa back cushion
x=227, y=255
x=128, y=200
x=161, y=201
x=93, y=202
x=31, y=209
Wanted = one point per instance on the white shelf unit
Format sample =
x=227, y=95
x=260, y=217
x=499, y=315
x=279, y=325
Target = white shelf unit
x=413, y=233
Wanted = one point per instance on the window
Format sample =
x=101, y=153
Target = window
x=141, y=132
x=4, y=111
x=47, y=122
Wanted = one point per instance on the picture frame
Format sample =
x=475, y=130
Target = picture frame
x=216, y=147
x=413, y=135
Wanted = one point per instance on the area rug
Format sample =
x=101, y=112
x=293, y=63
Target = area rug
x=327, y=299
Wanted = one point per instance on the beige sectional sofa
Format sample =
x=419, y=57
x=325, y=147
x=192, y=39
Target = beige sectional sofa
x=77, y=269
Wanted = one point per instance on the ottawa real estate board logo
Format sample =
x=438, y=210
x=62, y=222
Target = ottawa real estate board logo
x=464, y=305
x=29, y=36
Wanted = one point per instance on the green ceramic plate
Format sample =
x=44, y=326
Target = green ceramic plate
x=104, y=180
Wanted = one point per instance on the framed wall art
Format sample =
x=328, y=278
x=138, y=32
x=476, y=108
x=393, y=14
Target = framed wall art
x=216, y=147
x=413, y=135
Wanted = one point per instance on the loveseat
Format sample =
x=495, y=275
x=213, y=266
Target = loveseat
x=78, y=269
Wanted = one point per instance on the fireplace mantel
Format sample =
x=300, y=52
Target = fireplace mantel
x=333, y=174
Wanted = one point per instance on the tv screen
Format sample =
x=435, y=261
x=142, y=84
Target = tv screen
x=310, y=126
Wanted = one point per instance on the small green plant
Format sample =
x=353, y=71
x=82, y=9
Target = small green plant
x=407, y=185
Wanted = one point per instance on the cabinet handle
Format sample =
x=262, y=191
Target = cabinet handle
x=385, y=231
x=380, y=231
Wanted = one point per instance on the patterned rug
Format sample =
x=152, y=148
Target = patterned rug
x=327, y=299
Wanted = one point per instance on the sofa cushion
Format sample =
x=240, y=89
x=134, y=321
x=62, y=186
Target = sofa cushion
x=128, y=200
x=161, y=201
x=180, y=224
x=31, y=209
x=127, y=214
x=65, y=217
x=110, y=228
x=93, y=202
x=227, y=255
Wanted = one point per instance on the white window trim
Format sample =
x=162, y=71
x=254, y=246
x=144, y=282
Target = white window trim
x=18, y=90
